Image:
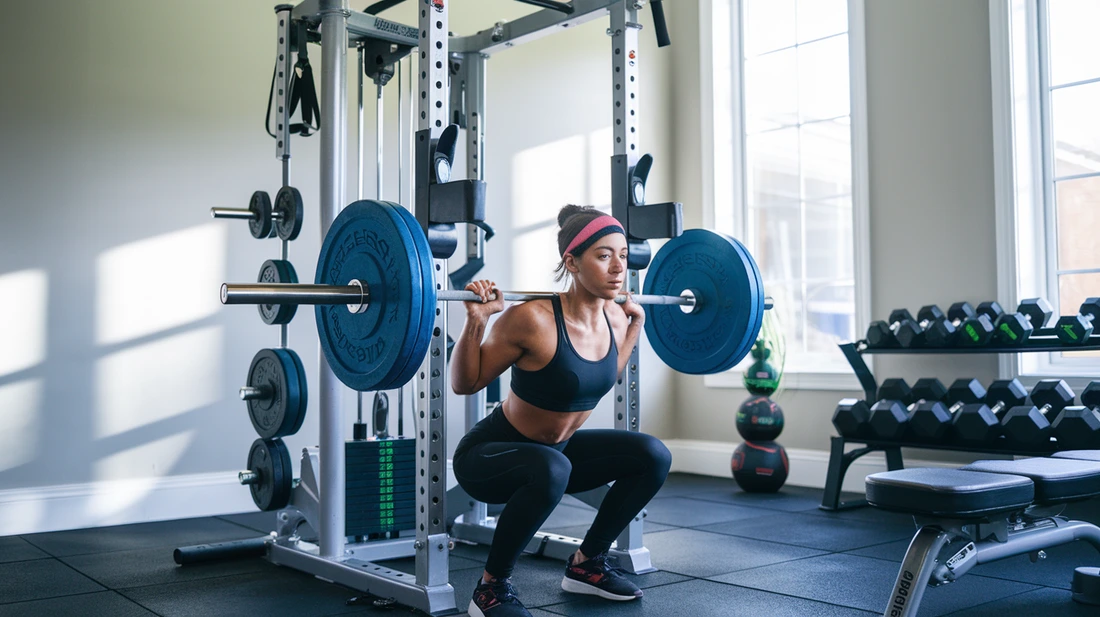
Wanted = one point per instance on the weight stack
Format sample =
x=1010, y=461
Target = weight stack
x=381, y=486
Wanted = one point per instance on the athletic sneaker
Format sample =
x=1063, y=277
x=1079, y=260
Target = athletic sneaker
x=599, y=576
x=496, y=599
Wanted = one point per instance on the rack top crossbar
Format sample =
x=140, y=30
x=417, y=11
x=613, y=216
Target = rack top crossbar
x=361, y=26
x=529, y=27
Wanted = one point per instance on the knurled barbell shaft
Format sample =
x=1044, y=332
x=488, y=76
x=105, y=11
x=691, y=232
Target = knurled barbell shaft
x=302, y=293
x=241, y=214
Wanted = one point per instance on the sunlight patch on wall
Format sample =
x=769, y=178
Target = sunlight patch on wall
x=600, y=149
x=19, y=406
x=547, y=177
x=130, y=475
x=158, y=283
x=158, y=380
x=23, y=316
x=535, y=254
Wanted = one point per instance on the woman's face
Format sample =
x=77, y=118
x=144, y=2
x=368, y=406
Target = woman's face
x=601, y=268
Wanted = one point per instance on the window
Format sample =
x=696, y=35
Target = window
x=1045, y=61
x=788, y=122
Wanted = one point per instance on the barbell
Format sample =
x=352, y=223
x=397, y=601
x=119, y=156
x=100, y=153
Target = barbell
x=703, y=298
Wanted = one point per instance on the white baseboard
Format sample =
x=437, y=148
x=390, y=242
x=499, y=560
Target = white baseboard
x=121, y=502
x=807, y=467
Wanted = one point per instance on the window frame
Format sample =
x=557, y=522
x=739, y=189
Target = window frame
x=715, y=14
x=1023, y=192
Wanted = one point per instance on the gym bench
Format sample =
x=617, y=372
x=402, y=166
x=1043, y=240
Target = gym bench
x=986, y=511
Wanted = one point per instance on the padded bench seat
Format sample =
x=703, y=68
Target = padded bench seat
x=949, y=493
x=1057, y=480
x=1080, y=455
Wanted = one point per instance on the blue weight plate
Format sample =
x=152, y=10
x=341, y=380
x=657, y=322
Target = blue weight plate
x=423, y=333
x=758, y=320
x=729, y=302
x=303, y=394
x=368, y=241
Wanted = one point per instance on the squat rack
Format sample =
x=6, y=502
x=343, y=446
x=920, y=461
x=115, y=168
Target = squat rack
x=319, y=497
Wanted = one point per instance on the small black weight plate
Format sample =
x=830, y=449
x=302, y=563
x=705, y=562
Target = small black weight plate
x=277, y=271
x=370, y=242
x=260, y=223
x=270, y=461
x=288, y=203
x=278, y=413
x=303, y=390
x=719, y=331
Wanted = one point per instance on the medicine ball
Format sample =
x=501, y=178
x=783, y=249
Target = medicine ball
x=759, y=419
x=759, y=467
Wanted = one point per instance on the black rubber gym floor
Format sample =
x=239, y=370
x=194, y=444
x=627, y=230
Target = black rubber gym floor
x=720, y=552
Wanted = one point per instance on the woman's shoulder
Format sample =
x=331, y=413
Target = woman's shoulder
x=530, y=314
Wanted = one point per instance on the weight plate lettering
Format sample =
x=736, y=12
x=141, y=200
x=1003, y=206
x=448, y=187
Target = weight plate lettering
x=370, y=242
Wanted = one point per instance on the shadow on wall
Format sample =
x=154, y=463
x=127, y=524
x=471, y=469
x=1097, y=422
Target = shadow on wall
x=155, y=361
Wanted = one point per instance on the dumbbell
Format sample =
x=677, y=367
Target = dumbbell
x=1016, y=328
x=931, y=421
x=980, y=423
x=897, y=402
x=978, y=330
x=1076, y=329
x=911, y=333
x=944, y=333
x=850, y=418
x=881, y=334
x=1029, y=425
x=1078, y=428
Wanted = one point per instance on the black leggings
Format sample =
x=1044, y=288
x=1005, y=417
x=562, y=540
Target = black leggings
x=495, y=463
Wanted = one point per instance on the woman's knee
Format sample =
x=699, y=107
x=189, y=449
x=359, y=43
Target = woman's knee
x=551, y=472
x=657, y=454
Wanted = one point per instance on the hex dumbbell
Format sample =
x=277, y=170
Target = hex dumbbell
x=1078, y=428
x=1016, y=328
x=851, y=418
x=931, y=421
x=1076, y=329
x=1029, y=425
x=890, y=416
x=881, y=334
x=978, y=330
x=980, y=423
x=911, y=333
x=944, y=333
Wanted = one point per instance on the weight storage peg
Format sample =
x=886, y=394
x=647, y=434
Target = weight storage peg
x=275, y=393
x=264, y=220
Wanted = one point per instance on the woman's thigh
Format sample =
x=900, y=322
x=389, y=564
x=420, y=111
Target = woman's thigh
x=492, y=471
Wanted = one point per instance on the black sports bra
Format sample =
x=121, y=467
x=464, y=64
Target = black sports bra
x=568, y=382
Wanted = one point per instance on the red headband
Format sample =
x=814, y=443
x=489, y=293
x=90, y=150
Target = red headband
x=594, y=230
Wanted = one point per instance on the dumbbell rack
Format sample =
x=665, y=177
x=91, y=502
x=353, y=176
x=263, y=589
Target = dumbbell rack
x=839, y=460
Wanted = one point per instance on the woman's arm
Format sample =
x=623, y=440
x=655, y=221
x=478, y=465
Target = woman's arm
x=475, y=364
x=634, y=315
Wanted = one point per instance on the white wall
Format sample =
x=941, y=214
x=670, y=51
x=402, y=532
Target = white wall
x=931, y=198
x=123, y=123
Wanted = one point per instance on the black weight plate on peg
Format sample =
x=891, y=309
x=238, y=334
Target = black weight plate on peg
x=270, y=461
x=280, y=412
x=288, y=203
x=277, y=271
x=260, y=223
x=372, y=350
x=304, y=396
x=729, y=294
